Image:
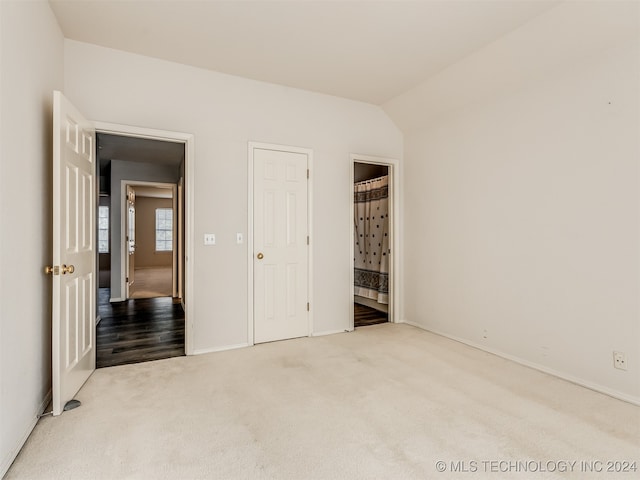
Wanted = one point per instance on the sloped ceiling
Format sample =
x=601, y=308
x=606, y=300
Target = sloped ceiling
x=361, y=50
x=554, y=41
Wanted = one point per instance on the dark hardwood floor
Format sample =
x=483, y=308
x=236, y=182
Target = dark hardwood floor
x=138, y=330
x=363, y=316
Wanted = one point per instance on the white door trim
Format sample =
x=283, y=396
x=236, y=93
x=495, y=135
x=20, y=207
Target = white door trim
x=123, y=231
x=189, y=147
x=252, y=146
x=395, y=278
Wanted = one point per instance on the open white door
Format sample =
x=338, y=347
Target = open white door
x=178, y=279
x=74, y=263
x=281, y=245
x=130, y=229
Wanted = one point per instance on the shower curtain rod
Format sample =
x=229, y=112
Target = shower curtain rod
x=371, y=179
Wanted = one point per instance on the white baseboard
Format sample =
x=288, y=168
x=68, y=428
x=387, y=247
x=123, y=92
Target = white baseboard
x=8, y=460
x=413, y=324
x=243, y=345
x=219, y=349
x=329, y=332
x=112, y=300
x=536, y=366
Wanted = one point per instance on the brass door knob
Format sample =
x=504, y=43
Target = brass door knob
x=49, y=269
x=260, y=256
x=64, y=269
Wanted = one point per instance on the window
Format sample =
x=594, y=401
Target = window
x=103, y=229
x=164, y=229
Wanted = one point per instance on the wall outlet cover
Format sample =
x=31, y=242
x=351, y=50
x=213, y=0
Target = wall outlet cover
x=620, y=360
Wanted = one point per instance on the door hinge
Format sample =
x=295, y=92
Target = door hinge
x=307, y=239
x=307, y=173
x=308, y=307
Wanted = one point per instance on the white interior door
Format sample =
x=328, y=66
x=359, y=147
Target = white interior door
x=179, y=278
x=130, y=229
x=280, y=245
x=74, y=262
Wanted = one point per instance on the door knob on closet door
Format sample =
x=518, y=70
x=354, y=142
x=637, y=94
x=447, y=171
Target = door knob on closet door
x=260, y=256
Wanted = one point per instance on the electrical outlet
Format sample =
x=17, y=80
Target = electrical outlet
x=209, y=238
x=620, y=360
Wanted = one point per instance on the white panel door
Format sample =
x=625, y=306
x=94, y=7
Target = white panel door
x=74, y=206
x=280, y=245
x=130, y=229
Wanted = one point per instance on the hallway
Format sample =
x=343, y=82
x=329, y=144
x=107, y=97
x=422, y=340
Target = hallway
x=152, y=282
x=138, y=330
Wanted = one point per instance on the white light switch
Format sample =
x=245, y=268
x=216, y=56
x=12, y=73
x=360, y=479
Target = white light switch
x=239, y=238
x=209, y=238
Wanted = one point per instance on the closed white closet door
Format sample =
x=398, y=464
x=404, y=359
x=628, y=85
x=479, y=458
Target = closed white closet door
x=280, y=245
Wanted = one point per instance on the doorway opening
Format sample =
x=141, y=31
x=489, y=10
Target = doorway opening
x=141, y=248
x=150, y=240
x=373, y=230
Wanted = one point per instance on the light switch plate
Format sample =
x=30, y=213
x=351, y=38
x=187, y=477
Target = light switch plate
x=209, y=238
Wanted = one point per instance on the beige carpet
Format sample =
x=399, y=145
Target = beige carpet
x=151, y=282
x=383, y=402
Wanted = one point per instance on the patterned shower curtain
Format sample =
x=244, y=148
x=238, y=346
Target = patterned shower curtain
x=371, y=249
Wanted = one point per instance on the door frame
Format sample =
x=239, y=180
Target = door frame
x=189, y=159
x=123, y=233
x=393, y=166
x=252, y=147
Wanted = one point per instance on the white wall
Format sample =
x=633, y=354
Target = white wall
x=522, y=204
x=224, y=113
x=31, y=67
